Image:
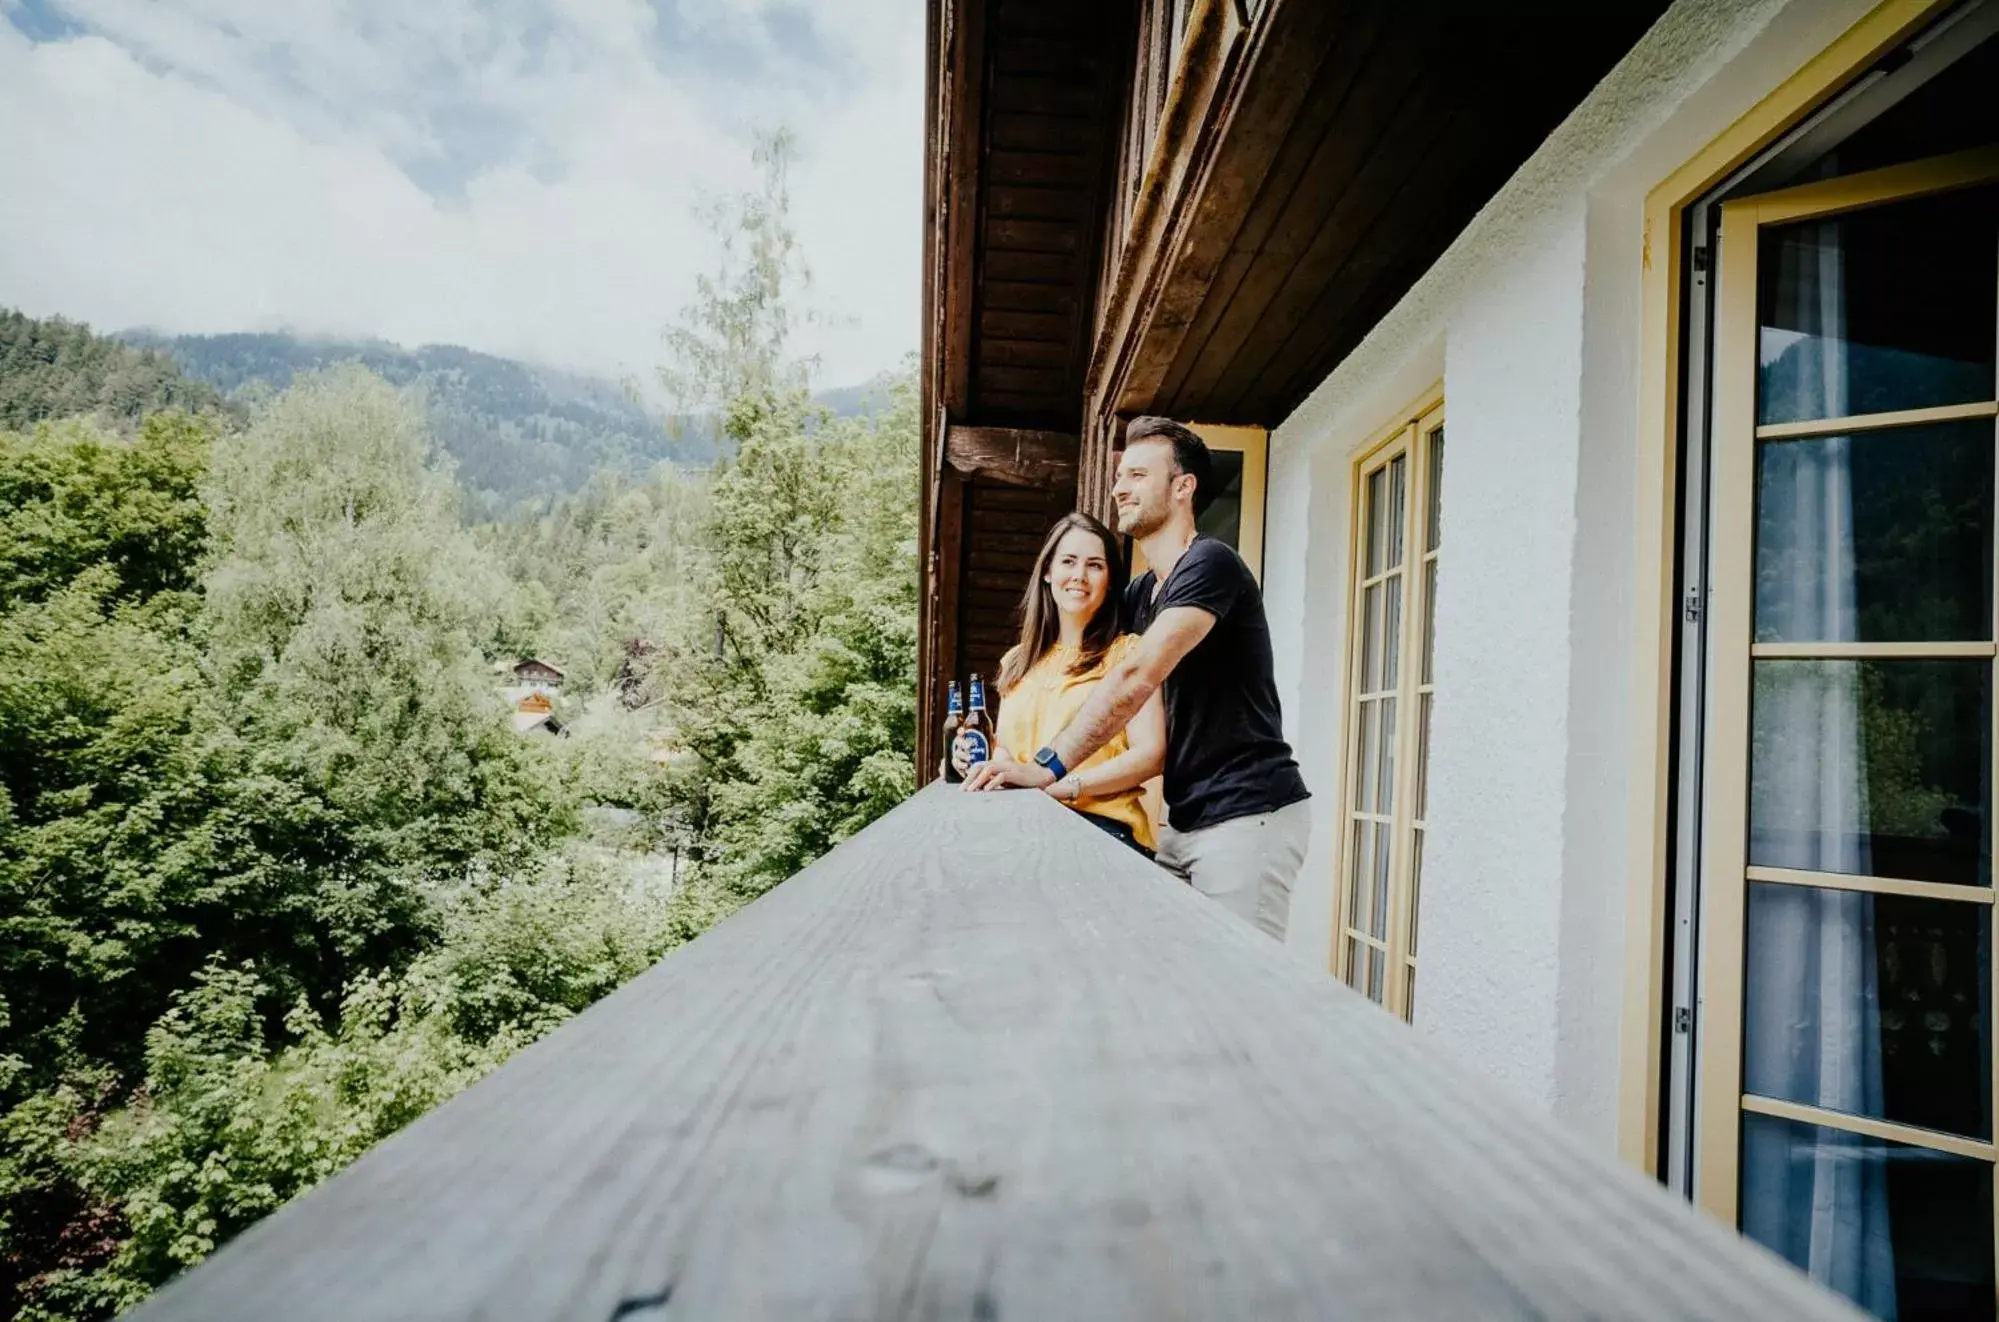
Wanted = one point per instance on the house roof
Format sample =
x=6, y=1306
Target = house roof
x=526, y=722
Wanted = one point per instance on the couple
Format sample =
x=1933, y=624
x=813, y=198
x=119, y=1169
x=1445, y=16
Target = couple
x=1081, y=712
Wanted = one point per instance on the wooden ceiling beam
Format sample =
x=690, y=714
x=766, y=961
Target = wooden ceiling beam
x=1017, y=456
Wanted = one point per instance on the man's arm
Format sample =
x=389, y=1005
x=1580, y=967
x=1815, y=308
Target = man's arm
x=1126, y=686
x=1118, y=697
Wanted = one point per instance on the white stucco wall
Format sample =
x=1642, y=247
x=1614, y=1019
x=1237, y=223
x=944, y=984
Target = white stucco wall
x=1532, y=320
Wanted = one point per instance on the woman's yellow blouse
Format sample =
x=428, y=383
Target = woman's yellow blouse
x=1045, y=700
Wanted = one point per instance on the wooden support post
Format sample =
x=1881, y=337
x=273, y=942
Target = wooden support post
x=941, y=589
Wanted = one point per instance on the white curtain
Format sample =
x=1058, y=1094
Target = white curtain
x=1813, y=1026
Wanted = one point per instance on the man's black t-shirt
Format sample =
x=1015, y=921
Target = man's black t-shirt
x=1225, y=750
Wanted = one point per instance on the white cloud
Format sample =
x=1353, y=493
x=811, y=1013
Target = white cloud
x=520, y=181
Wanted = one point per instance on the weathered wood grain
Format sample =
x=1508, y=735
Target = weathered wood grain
x=1014, y=456
x=982, y=1062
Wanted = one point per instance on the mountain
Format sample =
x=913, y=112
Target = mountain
x=57, y=369
x=516, y=432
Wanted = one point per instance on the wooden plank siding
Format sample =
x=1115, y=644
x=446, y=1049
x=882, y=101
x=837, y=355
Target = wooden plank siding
x=1004, y=528
x=983, y=1062
x=1346, y=149
x=1049, y=80
x=1022, y=111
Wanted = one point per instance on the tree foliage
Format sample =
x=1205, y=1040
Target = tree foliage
x=58, y=369
x=805, y=725
x=276, y=876
x=730, y=349
x=516, y=432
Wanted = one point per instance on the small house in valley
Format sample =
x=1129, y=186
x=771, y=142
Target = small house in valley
x=531, y=688
x=537, y=674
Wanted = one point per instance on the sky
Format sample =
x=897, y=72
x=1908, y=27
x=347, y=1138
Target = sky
x=523, y=177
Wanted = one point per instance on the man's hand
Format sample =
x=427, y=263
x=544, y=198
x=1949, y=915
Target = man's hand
x=1006, y=774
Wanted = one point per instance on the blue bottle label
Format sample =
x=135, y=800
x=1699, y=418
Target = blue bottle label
x=979, y=694
x=956, y=702
x=977, y=749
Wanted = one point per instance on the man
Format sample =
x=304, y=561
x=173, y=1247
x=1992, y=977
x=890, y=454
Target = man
x=1236, y=813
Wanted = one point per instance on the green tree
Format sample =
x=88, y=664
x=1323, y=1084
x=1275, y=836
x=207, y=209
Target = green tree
x=236, y=1114
x=809, y=719
x=799, y=714
x=58, y=369
x=345, y=608
x=730, y=350
x=275, y=876
x=73, y=495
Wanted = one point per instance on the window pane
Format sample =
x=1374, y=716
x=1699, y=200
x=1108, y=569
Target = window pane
x=1423, y=759
x=1367, y=754
x=1878, y=537
x=1884, y=309
x=1384, y=771
x=1877, y=768
x=1902, y=1231
x=1398, y=482
x=1436, y=501
x=1377, y=914
x=1222, y=519
x=1951, y=112
x=1429, y=620
x=1372, y=608
x=1360, y=872
x=1870, y=1004
x=1415, y=888
x=1364, y=968
x=1391, y=633
x=1377, y=522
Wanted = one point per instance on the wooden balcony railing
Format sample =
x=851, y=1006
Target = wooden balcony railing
x=983, y=1062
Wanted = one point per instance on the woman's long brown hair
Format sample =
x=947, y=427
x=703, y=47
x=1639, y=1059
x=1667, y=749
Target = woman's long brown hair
x=1041, y=627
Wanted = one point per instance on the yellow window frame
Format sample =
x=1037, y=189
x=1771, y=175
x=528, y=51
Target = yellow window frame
x=1375, y=925
x=1726, y=872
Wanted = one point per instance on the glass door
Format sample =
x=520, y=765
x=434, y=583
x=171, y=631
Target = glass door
x=1845, y=1067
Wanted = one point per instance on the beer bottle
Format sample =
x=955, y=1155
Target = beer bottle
x=978, y=726
x=954, y=716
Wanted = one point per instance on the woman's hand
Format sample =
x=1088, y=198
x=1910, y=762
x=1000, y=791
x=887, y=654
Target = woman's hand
x=977, y=775
x=1003, y=773
x=961, y=756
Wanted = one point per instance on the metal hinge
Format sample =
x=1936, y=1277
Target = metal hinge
x=1691, y=610
x=1700, y=259
x=1683, y=1019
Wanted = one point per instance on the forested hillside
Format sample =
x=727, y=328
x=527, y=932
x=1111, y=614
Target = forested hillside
x=58, y=369
x=513, y=432
x=277, y=873
x=516, y=433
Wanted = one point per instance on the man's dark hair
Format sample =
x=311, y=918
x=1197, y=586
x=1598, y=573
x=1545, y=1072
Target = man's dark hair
x=1190, y=452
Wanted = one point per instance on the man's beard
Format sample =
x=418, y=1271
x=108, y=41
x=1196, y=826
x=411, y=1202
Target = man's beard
x=1140, y=522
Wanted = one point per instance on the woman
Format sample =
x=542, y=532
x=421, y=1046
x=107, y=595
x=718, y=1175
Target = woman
x=1069, y=636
